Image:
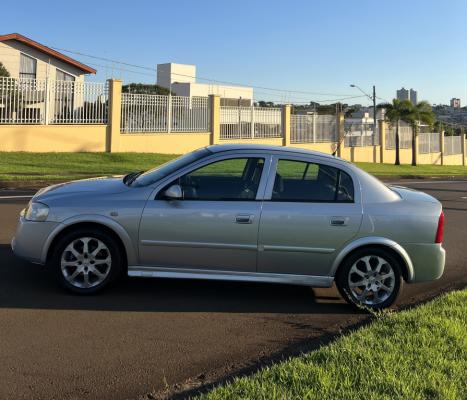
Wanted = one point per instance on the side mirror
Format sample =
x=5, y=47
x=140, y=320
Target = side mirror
x=174, y=192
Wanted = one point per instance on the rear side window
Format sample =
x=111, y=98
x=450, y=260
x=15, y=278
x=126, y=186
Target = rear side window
x=302, y=181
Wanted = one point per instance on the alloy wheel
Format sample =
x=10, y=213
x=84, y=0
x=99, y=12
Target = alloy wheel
x=86, y=262
x=371, y=280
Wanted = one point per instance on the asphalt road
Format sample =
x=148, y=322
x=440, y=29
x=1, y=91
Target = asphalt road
x=148, y=336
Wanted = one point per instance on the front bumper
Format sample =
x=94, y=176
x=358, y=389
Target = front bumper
x=427, y=260
x=30, y=238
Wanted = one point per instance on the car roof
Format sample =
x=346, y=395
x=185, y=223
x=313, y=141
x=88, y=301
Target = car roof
x=218, y=148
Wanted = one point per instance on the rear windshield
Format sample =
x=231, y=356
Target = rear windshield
x=163, y=170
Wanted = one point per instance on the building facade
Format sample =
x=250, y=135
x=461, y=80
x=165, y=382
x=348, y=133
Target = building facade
x=181, y=80
x=406, y=94
x=455, y=102
x=25, y=58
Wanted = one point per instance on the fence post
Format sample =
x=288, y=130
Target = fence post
x=47, y=100
x=286, y=125
x=215, y=104
x=441, y=146
x=115, y=110
x=382, y=140
x=340, y=133
x=464, y=150
x=416, y=145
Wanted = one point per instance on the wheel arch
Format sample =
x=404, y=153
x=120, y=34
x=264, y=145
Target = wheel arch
x=110, y=227
x=387, y=244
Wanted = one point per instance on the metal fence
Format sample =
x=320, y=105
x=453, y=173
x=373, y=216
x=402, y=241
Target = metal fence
x=250, y=122
x=46, y=101
x=405, y=137
x=453, y=145
x=360, y=134
x=158, y=113
x=313, y=128
x=428, y=142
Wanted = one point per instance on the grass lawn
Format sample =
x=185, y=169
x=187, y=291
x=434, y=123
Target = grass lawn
x=416, y=354
x=53, y=167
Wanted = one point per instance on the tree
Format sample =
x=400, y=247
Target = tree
x=419, y=113
x=144, y=88
x=396, y=112
x=3, y=71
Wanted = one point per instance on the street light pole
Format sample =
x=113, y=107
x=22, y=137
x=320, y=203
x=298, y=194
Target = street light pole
x=373, y=98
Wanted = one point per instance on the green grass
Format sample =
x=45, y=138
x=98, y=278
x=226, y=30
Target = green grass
x=416, y=354
x=409, y=171
x=54, y=167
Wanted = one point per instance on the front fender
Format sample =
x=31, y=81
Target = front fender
x=96, y=219
x=378, y=241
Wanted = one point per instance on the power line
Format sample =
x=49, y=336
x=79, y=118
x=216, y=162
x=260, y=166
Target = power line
x=201, y=78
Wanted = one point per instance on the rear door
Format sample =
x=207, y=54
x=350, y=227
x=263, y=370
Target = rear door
x=311, y=209
x=215, y=225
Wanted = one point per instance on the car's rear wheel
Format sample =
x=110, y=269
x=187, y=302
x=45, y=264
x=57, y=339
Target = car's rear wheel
x=85, y=261
x=370, y=278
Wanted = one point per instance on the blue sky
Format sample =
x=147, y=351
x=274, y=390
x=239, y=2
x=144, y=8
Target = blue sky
x=310, y=46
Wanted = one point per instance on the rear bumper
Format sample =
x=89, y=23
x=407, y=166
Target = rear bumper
x=30, y=238
x=427, y=260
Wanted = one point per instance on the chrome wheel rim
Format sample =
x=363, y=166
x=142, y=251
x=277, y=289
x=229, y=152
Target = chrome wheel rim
x=371, y=280
x=86, y=262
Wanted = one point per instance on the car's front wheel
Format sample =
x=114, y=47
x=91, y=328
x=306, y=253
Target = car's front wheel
x=370, y=278
x=85, y=261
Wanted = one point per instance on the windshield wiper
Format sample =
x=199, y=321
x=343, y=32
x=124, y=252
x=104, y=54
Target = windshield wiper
x=128, y=179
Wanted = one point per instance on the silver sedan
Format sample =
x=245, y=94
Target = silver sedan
x=239, y=213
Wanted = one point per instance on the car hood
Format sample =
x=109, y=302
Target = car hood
x=412, y=195
x=104, y=185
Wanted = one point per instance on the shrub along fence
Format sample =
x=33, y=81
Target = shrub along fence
x=87, y=116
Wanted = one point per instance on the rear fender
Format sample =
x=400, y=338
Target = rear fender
x=374, y=241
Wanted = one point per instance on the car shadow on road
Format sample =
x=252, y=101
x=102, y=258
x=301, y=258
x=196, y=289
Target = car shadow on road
x=29, y=286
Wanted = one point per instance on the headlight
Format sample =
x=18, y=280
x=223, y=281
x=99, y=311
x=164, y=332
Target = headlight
x=36, y=212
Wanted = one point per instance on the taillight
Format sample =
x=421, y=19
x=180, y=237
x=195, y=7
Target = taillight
x=440, y=230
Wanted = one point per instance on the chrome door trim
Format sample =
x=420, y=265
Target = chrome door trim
x=147, y=242
x=184, y=273
x=321, y=250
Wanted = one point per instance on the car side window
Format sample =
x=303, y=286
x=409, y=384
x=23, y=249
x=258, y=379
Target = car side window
x=234, y=179
x=303, y=181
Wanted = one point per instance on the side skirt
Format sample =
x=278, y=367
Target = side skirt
x=184, y=273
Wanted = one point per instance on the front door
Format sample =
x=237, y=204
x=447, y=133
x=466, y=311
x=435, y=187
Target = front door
x=214, y=226
x=309, y=213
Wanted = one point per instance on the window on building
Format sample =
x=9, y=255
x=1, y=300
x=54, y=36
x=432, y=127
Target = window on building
x=27, y=67
x=63, y=76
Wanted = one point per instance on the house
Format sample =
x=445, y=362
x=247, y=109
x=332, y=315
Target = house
x=181, y=79
x=25, y=58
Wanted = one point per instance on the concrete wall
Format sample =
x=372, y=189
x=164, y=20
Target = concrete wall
x=165, y=143
x=56, y=138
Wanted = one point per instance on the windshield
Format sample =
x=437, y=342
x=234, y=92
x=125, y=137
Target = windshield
x=155, y=174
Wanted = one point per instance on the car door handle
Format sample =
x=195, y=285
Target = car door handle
x=339, y=221
x=244, y=219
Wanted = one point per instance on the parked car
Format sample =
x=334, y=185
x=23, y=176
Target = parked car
x=239, y=213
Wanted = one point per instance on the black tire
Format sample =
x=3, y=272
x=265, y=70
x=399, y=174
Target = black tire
x=115, y=265
x=348, y=293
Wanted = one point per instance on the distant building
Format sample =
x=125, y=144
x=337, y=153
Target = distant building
x=181, y=79
x=405, y=94
x=402, y=94
x=455, y=102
